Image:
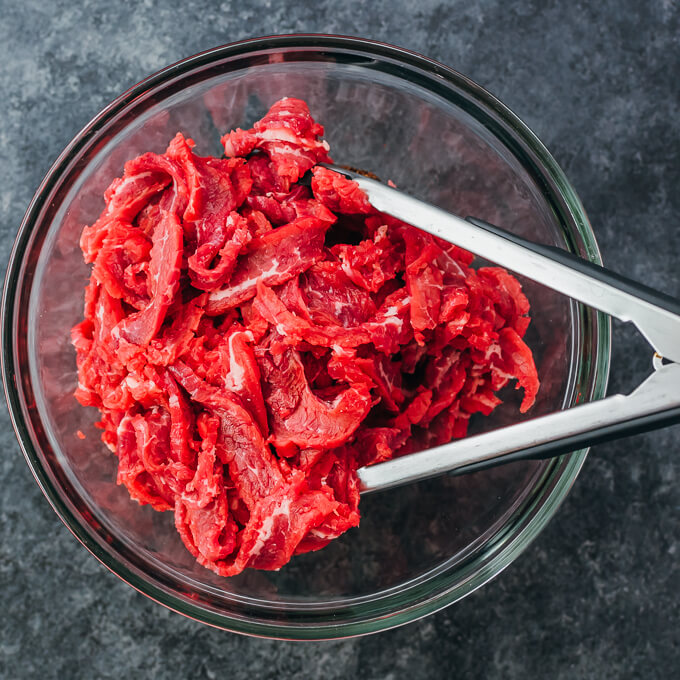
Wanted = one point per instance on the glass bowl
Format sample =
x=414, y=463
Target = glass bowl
x=411, y=120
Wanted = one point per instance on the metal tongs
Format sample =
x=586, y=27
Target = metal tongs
x=652, y=405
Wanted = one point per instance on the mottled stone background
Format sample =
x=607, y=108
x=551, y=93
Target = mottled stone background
x=597, y=595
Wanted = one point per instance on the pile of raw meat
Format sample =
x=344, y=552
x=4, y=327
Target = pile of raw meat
x=250, y=341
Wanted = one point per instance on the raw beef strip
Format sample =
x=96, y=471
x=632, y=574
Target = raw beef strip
x=272, y=258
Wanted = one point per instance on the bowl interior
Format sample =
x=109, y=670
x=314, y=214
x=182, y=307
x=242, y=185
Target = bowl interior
x=378, y=118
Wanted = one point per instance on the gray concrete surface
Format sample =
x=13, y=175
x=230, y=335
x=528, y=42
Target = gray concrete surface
x=597, y=595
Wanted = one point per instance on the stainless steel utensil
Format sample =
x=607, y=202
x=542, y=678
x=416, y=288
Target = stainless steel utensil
x=653, y=404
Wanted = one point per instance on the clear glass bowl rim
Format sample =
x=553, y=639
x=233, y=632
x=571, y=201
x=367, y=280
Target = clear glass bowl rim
x=393, y=610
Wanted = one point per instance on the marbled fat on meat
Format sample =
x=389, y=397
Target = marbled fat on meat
x=250, y=342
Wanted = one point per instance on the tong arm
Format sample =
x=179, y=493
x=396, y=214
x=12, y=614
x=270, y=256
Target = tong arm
x=657, y=316
x=654, y=403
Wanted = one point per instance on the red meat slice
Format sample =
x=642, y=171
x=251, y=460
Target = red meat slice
x=176, y=337
x=258, y=224
x=385, y=374
x=265, y=181
x=378, y=444
x=132, y=472
x=153, y=430
x=482, y=400
x=424, y=281
x=125, y=197
x=416, y=410
x=518, y=361
x=243, y=378
x=332, y=298
x=291, y=296
x=280, y=206
x=372, y=263
x=182, y=423
x=336, y=471
x=202, y=514
x=454, y=302
x=164, y=271
x=272, y=258
x=289, y=208
x=292, y=329
x=445, y=374
x=509, y=301
x=273, y=530
x=298, y=416
x=430, y=270
x=100, y=372
x=344, y=367
x=176, y=196
x=389, y=329
x=310, y=207
x=236, y=235
x=119, y=264
x=216, y=188
x=339, y=194
x=277, y=212
x=288, y=135
x=208, y=531
x=280, y=522
x=240, y=443
x=209, y=477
